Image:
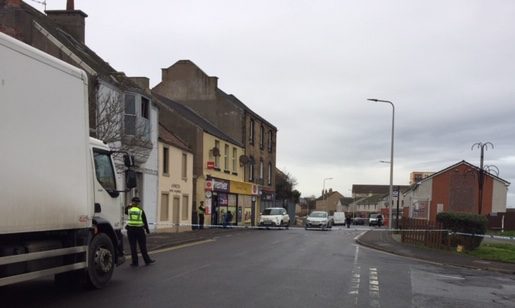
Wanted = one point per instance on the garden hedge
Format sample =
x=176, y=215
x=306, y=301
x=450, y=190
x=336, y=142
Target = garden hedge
x=464, y=223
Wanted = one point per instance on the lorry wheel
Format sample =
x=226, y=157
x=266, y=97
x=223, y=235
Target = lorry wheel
x=100, y=261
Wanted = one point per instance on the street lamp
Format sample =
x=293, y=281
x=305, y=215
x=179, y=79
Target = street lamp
x=390, y=205
x=323, y=189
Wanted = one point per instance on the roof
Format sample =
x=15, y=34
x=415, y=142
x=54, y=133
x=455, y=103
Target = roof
x=376, y=189
x=346, y=200
x=463, y=162
x=328, y=195
x=194, y=118
x=374, y=199
x=81, y=50
x=170, y=138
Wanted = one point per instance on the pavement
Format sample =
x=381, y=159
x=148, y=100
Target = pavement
x=160, y=240
x=388, y=242
x=376, y=239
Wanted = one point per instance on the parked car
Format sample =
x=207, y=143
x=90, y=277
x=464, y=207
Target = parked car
x=274, y=217
x=375, y=220
x=359, y=220
x=319, y=219
x=339, y=218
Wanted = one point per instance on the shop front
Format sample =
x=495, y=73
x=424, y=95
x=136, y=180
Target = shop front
x=231, y=202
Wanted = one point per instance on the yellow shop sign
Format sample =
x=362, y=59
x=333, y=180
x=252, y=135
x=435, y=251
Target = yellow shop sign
x=243, y=188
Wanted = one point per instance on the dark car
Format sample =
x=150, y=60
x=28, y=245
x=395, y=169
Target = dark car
x=359, y=220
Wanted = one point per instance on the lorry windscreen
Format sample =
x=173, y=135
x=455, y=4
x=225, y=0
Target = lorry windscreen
x=104, y=170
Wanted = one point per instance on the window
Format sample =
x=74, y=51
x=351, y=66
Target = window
x=164, y=213
x=130, y=115
x=251, y=132
x=269, y=174
x=166, y=160
x=270, y=140
x=251, y=172
x=185, y=206
x=226, y=157
x=145, y=105
x=184, y=166
x=261, y=170
x=217, y=154
x=234, y=163
x=104, y=170
x=261, y=137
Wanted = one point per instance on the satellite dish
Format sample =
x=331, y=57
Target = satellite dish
x=215, y=151
x=244, y=160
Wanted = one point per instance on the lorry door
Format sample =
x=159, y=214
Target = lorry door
x=106, y=188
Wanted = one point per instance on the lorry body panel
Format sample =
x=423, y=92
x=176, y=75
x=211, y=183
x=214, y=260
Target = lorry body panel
x=46, y=169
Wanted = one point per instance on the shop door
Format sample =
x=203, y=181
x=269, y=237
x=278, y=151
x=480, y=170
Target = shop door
x=214, y=210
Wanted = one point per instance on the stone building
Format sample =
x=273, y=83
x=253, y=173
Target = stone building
x=185, y=83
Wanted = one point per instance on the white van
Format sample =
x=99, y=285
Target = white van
x=339, y=218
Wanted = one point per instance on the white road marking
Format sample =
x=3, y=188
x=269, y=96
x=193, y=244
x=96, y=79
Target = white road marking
x=450, y=277
x=356, y=278
x=356, y=255
x=373, y=290
x=180, y=246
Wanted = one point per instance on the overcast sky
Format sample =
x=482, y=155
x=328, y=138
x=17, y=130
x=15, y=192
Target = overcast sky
x=309, y=66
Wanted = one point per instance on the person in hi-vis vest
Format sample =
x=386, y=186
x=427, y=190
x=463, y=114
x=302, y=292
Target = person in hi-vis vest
x=136, y=227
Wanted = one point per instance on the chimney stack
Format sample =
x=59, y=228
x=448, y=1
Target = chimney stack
x=70, y=5
x=70, y=20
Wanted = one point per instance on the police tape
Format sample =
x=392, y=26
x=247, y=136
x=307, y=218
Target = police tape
x=333, y=228
x=490, y=236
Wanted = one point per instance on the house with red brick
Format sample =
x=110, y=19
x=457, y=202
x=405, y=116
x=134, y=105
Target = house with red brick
x=456, y=189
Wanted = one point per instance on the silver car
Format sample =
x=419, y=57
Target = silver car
x=318, y=219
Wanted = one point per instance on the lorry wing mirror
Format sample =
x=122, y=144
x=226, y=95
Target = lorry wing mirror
x=128, y=160
x=130, y=179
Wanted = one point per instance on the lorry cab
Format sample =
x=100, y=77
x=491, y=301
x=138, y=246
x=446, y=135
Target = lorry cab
x=108, y=200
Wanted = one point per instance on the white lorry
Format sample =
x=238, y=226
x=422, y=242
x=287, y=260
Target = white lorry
x=61, y=209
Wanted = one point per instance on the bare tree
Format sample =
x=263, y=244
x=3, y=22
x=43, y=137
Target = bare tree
x=121, y=128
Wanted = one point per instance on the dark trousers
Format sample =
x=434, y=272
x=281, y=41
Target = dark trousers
x=137, y=235
x=201, y=221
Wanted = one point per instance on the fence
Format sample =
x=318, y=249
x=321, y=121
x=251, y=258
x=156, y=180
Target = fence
x=502, y=221
x=419, y=231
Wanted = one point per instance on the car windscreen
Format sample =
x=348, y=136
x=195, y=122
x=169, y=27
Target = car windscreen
x=272, y=212
x=318, y=214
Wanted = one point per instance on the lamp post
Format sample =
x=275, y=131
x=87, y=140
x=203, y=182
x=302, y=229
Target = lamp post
x=390, y=205
x=323, y=189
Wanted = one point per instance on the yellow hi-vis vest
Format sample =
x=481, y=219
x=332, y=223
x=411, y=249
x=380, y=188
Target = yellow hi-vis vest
x=135, y=217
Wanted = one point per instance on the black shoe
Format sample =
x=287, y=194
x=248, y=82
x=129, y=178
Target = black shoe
x=134, y=265
x=150, y=262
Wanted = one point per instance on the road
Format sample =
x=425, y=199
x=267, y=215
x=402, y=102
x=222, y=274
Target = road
x=279, y=268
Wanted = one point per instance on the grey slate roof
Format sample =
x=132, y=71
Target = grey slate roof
x=81, y=50
x=170, y=138
x=194, y=117
x=376, y=189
